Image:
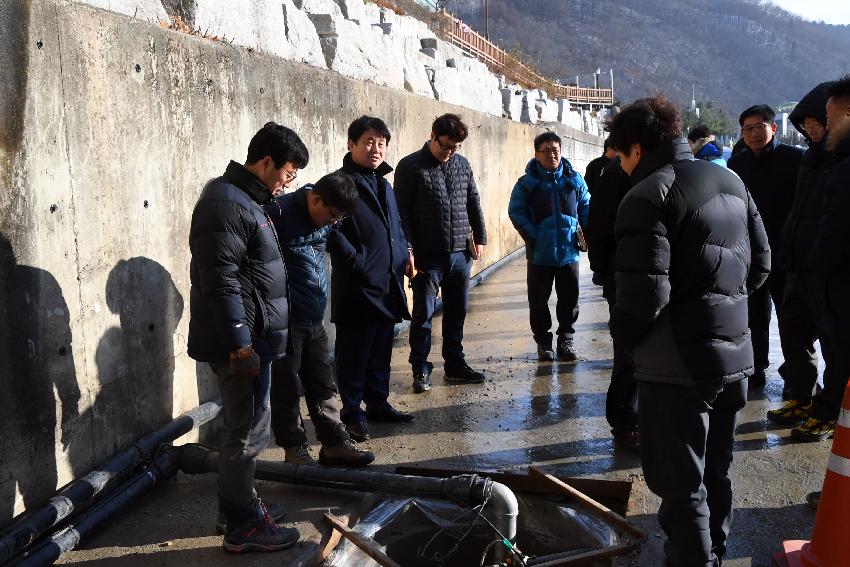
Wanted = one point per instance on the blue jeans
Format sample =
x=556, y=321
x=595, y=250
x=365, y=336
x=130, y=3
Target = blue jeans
x=247, y=419
x=363, y=354
x=448, y=273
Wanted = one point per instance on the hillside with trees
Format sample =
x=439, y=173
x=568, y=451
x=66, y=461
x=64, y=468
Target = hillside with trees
x=735, y=52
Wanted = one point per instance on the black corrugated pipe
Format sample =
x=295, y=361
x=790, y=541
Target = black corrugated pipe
x=31, y=525
x=163, y=466
x=466, y=490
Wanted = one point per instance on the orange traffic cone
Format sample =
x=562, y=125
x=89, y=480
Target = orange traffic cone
x=830, y=544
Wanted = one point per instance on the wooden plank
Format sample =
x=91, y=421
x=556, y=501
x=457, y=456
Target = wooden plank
x=365, y=544
x=589, y=556
x=601, y=510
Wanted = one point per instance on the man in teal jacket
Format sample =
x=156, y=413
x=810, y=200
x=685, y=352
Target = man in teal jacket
x=548, y=206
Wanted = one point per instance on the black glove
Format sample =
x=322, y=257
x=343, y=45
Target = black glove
x=245, y=363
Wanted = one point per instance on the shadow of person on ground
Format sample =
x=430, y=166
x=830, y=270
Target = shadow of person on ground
x=135, y=360
x=36, y=368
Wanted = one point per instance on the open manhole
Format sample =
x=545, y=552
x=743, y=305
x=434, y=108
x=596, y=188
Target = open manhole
x=420, y=532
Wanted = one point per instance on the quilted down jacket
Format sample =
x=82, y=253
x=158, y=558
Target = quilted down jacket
x=238, y=290
x=691, y=246
x=438, y=203
x=304, y=254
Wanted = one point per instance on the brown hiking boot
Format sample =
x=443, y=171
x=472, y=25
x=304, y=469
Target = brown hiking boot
x=299, y=455
x=345, y=455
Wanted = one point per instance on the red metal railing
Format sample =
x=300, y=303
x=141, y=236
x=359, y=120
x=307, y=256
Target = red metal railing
x=501, y=61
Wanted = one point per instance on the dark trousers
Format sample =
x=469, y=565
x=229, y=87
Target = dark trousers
x=308, y=367
x=363, y=353
x=686, y=450
x=798, y=333
x=836, y=372
x=759, y=304
x=621, y=409
x=540, y=279
x=246, y=412
x=449, y=274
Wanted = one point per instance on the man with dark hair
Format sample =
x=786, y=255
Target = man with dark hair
x=303, y=220
x=370, y=257
x=799, y=326
x=621, y=400
x=442, y=219
x=703, y=146
x=690, y=247
x=595, y=168
x=830, y=263
x=769, y=170
x=239, y=320
x=548, y=206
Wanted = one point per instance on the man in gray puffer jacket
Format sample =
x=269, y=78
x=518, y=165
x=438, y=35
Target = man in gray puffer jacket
x=691, y=247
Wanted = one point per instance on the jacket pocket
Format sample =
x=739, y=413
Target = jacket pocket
x=262, y=319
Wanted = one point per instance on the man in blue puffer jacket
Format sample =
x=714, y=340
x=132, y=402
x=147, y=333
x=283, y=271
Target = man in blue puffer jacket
x=548, y=206
x=303, y=220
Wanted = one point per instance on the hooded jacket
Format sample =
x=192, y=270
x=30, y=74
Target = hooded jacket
x=690, y=248
x=438, y=202
x=830, y=255
x=303, y=245
x=806, y=211
x=368, y=252
x=546, y=208
x=238, y=293
x=709, y=151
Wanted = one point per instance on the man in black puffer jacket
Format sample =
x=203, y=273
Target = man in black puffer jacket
x=239, y=320
x=303, y=220
x=769, y=170
x=443, y=222
x=830, y=264
x=798, y=328
x=690, y=248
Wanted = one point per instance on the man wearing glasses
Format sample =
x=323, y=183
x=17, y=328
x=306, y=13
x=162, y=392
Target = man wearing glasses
x=548, y=206
x=444, y=224
x=303, y=220
x=769, y=170
x=239, y=322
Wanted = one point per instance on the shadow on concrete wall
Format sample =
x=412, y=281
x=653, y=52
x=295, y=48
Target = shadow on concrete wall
x=135, y=361
x=36, y=367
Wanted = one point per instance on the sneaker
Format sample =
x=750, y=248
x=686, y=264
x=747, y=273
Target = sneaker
x=813, y=499
x=792, y=412
x=258, y=534
x=463, y=374
x=566, y=350
x=299, y=455
x=545, y=353
x=345, y=454
x=421, y=382
x=275, y=511
x=814, y=430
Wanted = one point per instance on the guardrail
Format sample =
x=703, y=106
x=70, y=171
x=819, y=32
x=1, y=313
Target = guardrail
x=473, y=43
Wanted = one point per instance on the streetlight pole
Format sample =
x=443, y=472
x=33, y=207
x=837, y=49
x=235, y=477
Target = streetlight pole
x=487, y=19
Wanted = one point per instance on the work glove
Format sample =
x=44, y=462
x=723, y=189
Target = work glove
x=245, y=363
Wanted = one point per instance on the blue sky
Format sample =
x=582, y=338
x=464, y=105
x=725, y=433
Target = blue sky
x=830, y=11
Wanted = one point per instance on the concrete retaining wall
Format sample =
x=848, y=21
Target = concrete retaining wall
x=109, y=128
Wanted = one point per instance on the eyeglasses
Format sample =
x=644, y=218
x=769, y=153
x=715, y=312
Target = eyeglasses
x=290, y=175
x=550, y=151
x=448, y=147
x=755, y=128
x=336, y=216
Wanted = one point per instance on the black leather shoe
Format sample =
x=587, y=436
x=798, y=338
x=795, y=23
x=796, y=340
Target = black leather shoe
x=357, y=431
x=757, y=380
x=463, y=374
x=389, y=414
x=421, y=382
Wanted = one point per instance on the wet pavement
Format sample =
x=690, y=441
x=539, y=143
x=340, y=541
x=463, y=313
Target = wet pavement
x=548, y=414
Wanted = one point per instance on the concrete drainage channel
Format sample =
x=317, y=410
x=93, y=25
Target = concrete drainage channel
x=414, y=517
